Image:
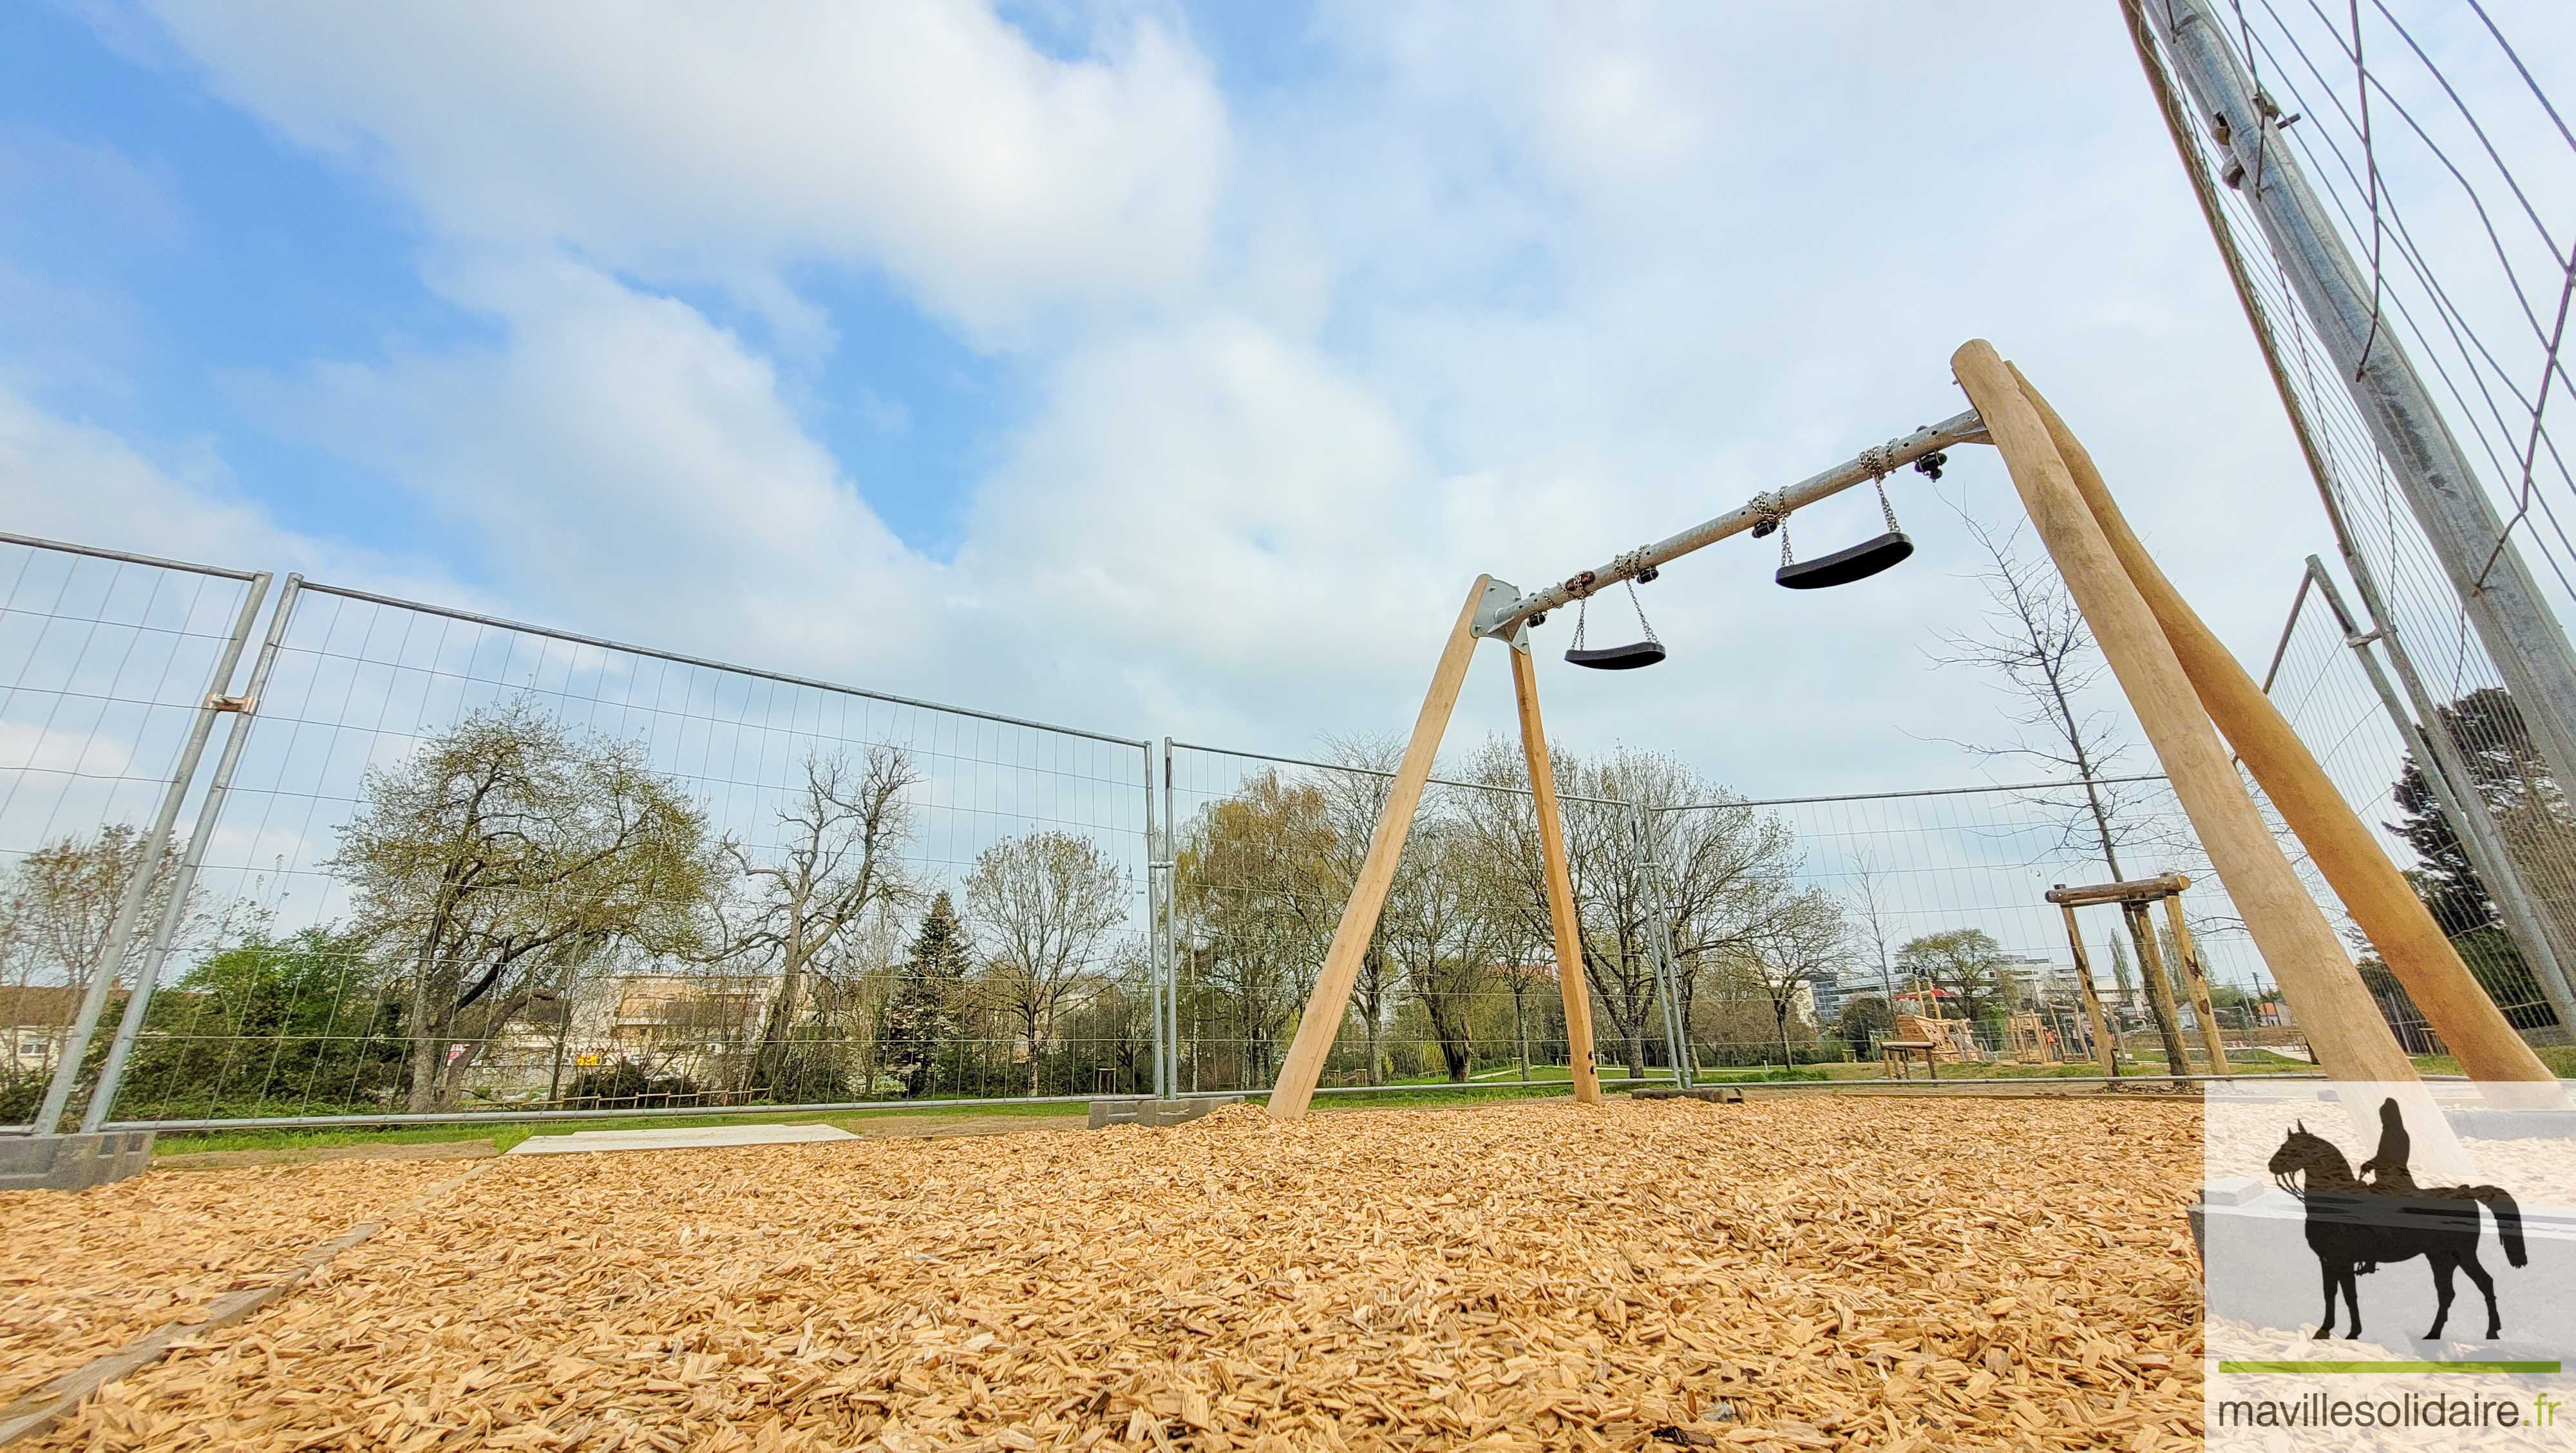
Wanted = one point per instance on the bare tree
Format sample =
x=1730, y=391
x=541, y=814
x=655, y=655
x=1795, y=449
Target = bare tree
x=2035, y=640
x=1781, y=955
x=59, y=904
x=835, y=864
x=1869, y=897
x=1041, y=907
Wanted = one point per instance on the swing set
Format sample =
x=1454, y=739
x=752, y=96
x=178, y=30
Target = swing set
x=2183, y=684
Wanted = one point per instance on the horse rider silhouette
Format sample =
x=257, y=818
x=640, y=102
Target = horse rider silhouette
x=2355, y=1227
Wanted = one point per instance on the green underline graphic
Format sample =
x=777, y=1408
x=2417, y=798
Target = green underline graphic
x=2461, y=1366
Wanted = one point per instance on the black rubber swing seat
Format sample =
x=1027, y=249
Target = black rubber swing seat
x=1619, y=658
x=1842, y=567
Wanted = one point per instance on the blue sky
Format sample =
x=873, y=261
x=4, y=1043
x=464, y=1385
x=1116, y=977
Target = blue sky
x=1165, y=369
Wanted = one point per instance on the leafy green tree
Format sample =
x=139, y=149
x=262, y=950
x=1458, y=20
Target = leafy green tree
x=301, y=1020
x=1865, y=1021
x=1965, y=963
x=922, y=1013
x=1043, y=906
x=2532, y=814
x=498, y=846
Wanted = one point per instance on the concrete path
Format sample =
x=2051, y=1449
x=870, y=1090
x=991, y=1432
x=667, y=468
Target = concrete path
x=696, y=1137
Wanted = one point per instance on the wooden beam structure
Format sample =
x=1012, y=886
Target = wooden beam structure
x=1571, y=981
x=2106, y=1043
x=2324, y=990
x=2160, y=998
x=1322, y=1021
x=2196, y=981
x=2354, y=865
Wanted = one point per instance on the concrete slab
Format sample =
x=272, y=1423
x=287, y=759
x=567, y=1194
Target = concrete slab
x=693, y=1137
x=72, y=1162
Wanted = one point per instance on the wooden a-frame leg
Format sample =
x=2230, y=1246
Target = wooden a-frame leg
x=1322, y=1021
x=2196, y=983
x=2160, y=999
x=2344, y=849
x=2105, y=1048
x=2289, y=930
x=1561, y=918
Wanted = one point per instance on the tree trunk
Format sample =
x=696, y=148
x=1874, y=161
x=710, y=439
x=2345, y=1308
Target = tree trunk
x=1520, y=1033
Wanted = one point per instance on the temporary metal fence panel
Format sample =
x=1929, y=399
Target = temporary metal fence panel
x=108, y=660
x=1941, y=903
x=2321, y=679
x=469, y=864
x=2441, y=170
x=1459, y=985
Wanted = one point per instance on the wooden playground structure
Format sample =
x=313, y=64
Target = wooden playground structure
x=2137, y=899
x=2185, y=687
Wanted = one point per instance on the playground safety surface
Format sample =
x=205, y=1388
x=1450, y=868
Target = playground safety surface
x=1783, y=1274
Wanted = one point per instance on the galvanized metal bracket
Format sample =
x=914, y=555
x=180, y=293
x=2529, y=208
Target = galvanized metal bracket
x=1500, y=597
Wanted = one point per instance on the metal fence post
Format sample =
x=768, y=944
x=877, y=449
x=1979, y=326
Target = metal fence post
x=2443, y=492
x=2447, y=773
x=1170, y=1030
x=156, y=845
x=1155, y=854
x=148, y=975
x=1667, y=972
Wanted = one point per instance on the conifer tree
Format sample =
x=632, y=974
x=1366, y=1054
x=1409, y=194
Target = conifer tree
x=922, y=1014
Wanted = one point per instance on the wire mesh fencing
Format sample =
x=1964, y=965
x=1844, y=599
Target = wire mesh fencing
x=451, y=865
x=1458, y=984
x=109, y=661
x=2488, y=841
x=1927, y=919
x=2445, y=173
x=469, y=865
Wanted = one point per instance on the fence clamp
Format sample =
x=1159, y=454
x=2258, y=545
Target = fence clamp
x=243, y=704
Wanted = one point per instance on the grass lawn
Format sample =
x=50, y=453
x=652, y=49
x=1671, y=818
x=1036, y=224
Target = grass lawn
x=1430, y=1090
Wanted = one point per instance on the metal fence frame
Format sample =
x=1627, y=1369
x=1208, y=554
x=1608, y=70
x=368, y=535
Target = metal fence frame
x=1161, y=821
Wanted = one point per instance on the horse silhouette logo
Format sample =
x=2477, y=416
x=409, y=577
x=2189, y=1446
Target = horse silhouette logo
x=2359, y=1222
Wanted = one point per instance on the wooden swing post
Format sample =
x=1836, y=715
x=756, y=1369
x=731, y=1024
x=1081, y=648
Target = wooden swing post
x=1571, y=982
x=2370, y=887
x=2351, y=1040
x=1322, y=1020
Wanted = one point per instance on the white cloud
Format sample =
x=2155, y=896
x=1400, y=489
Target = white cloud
x=1500, y=287
x=931, y=140
x=69, y=480
x=628, y=467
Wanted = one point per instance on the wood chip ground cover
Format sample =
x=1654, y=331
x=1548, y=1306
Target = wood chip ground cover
x=82, y=1275
x=1783, y=1275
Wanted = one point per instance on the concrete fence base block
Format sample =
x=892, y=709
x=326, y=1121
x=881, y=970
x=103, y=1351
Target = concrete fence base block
x=1713, y=1094
x=72, y=1162
x=1145, y=1110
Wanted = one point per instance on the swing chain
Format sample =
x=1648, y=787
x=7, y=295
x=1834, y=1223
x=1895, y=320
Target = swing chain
x=1638, y=572
x=1880, y=461
x=1774, y=505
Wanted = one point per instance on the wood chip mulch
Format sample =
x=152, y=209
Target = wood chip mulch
x=82, y=1274
x=1789, y=1274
